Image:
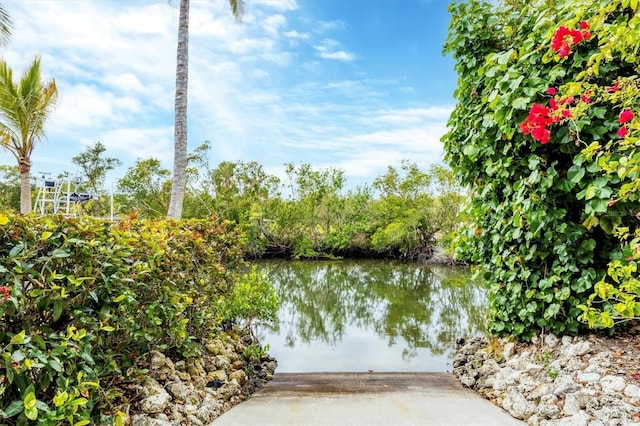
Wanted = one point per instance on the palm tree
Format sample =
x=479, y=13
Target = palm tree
x=178, y=183
x=5, y=26
x=24, y=109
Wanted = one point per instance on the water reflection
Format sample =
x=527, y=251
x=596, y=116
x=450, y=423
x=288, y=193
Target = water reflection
x=382, y=315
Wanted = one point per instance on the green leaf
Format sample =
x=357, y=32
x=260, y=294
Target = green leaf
x=14, y=408
x=79, y=401
x=520, y=103
x=87, y=357
x=609, y=222
x=31, y=413
x=19, y=339
x=552, y=310
x=517, y=220
x=57, y=309
x=60, y=398
x=17, y=356
x=590, y=192
x=16, y=250
x=55, y=364
x=563, y=293
x=59, y=253
x=30, y=400
x=600, y=182
x=575, y=174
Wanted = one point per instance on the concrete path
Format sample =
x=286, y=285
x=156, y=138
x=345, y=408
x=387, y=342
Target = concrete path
x=365, y=399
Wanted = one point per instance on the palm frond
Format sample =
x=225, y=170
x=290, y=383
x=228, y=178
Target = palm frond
x=237, y=8
x=24, y=108
x=6, y=26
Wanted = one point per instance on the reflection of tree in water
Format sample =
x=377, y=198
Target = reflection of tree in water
x=426, y=307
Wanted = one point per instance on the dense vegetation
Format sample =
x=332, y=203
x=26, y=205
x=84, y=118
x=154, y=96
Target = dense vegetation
x=84, y=301
x=310, y=213
x=545, y=134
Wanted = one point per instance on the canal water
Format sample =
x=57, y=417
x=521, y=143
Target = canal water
x=370, y=315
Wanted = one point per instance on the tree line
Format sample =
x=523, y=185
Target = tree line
x=309, y=213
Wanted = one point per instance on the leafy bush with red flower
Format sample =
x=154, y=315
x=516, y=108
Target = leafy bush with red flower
x=549, y=149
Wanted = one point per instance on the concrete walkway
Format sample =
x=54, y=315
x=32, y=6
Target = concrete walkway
x=365, y=399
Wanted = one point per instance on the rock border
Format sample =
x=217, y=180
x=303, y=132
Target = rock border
x=552, y=381
x=197, y=391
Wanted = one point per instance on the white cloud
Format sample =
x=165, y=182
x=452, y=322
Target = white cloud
x=273, y=23
x=339, y=55
x=140, y=142
x=295, y=35
x=322, y=27
x=280, y=5
x=327, y=50
x=83, y=106
x=414, y=115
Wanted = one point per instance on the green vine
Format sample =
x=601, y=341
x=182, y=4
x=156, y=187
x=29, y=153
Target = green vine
x=545, y=136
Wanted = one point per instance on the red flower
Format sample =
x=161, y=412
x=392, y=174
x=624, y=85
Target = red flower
x=625, y=116
x=537, y=122
x=622, y=132
x=566, y=113
x=551, y=91
x=586, y=99
x=567, y=100
x=564, y=51
x=5, y=291
x=576, y=37
x=612, y=89
x=564, y=38
x=558, y=38
x=541, y=134
x=538, y=109
x=552, y=104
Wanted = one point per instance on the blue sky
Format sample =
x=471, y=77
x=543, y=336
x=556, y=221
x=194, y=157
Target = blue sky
x=353, y=84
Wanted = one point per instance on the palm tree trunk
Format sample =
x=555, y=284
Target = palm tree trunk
x=24, y=166
x=178, y=184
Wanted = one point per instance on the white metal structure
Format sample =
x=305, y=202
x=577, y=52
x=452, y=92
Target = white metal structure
x=59, y=196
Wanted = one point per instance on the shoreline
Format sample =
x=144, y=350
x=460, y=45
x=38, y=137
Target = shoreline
x=587, y=380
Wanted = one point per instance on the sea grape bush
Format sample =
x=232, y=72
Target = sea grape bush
x=545, y=135
x=84, y=300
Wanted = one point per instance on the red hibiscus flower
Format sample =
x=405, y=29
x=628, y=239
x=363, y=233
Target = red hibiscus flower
x=622, y=132
x=625, y=116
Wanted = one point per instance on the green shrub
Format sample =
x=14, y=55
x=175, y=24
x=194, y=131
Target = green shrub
x=84, y=299
x=539, y=136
